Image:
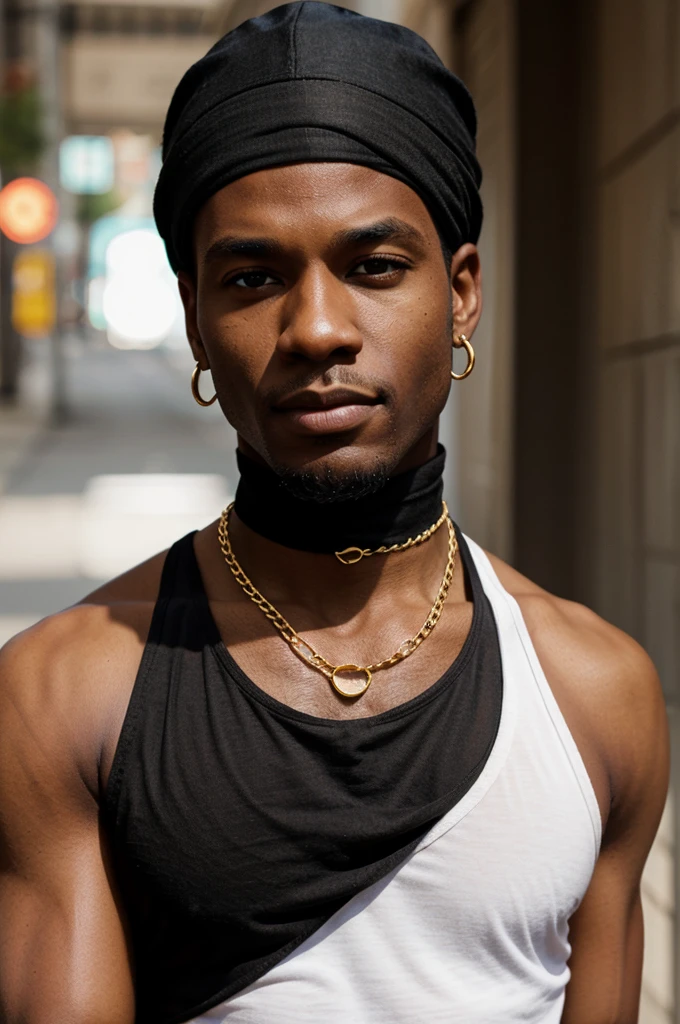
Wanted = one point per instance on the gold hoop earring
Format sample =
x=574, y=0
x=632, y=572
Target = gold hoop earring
x=194, y=388
x=463, y=342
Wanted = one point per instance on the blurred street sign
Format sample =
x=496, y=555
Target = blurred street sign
x=33, y=293
x=86, y=164
x=28, y=210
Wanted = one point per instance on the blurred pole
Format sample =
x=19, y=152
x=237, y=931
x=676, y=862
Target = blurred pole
x=10, y=342
x=47, y=50
x=3, y=255
x=31, y=33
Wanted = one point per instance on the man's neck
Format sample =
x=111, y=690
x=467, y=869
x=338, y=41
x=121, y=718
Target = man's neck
x=335, y=592
x=287, y=546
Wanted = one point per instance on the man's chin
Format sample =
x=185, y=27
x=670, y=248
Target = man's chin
x=342, y=475
x=325, y=485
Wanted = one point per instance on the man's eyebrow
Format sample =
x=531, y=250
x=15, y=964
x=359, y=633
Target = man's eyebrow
x=253, y=248
x=392, y=229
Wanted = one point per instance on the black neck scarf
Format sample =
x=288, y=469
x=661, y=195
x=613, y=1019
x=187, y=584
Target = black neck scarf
x=407, y=505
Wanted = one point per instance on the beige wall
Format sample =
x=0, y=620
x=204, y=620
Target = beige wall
x=433, y=20
x=231, y=13
x=483, y=434
x=638, y=337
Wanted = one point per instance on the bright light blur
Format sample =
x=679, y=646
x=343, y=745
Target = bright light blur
x=95, y=300
x=139, y=300
x=128, y=517
x=118, y=521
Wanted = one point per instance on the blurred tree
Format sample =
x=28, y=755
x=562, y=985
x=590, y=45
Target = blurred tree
x=90, y=208
x=22, y=143
x=22, y=140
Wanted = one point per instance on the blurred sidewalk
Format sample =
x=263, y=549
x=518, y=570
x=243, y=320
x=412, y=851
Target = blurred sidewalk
x=20, y=428
x=136, y=465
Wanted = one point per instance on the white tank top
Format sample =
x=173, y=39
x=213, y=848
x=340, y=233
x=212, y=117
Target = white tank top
x=472, y=928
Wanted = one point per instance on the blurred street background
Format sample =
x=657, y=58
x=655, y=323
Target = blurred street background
x=104, y=456
x=564, y=445
x=132, y=467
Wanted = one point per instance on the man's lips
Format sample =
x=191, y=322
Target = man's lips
x=327, y=412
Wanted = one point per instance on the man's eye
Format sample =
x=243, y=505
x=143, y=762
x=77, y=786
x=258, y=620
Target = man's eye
x=378, y=266
x=253, y=279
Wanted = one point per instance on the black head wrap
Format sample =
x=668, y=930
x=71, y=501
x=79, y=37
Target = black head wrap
x=314, y=82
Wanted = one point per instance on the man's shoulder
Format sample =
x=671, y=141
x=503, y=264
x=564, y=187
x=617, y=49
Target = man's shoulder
x=579, y=643
x=604, y=681
x=71, y=642
x=89, y=633
x=66, y=681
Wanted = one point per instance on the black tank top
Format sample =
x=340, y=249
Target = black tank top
x=239, y=825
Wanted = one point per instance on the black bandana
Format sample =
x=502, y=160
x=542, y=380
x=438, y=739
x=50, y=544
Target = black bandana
x=314, y=82
x=406, y=505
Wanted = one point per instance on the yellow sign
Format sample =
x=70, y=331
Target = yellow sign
x=34, y=301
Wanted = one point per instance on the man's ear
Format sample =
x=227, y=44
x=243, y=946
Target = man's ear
x=466, y=289
x=187, y=291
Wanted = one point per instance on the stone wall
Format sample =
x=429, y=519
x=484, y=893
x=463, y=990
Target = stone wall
x=638, y=340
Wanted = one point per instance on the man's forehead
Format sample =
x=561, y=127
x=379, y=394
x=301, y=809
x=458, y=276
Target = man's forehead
x=326, y=197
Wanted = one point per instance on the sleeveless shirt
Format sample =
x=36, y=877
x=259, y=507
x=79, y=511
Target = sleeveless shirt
x=473, y=926
x=240, y=827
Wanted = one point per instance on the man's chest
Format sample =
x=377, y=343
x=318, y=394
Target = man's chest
x=274, y=666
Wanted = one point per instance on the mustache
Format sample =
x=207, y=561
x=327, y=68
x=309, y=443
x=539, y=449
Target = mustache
x=346, y=376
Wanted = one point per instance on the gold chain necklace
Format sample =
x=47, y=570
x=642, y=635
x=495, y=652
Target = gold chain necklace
x=350, y=556
x=304, y=649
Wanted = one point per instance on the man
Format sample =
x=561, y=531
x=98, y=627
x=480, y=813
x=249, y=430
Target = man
x=240, y=782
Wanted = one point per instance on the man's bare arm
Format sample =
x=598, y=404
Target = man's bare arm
x=63, y=953
x=610, y=695
x=607, y=931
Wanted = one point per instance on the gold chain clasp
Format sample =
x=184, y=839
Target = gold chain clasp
x=350, y=556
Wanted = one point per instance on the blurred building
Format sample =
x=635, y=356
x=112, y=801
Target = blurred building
x=123, y=60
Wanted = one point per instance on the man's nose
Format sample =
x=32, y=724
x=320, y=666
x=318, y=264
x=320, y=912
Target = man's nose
x=319, y=319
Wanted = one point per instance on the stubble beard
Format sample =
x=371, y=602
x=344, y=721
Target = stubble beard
x=326, y=484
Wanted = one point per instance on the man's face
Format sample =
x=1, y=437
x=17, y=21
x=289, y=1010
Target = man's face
x=323, y=306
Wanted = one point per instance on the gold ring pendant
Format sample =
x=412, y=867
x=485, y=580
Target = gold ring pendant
x=350, y=668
